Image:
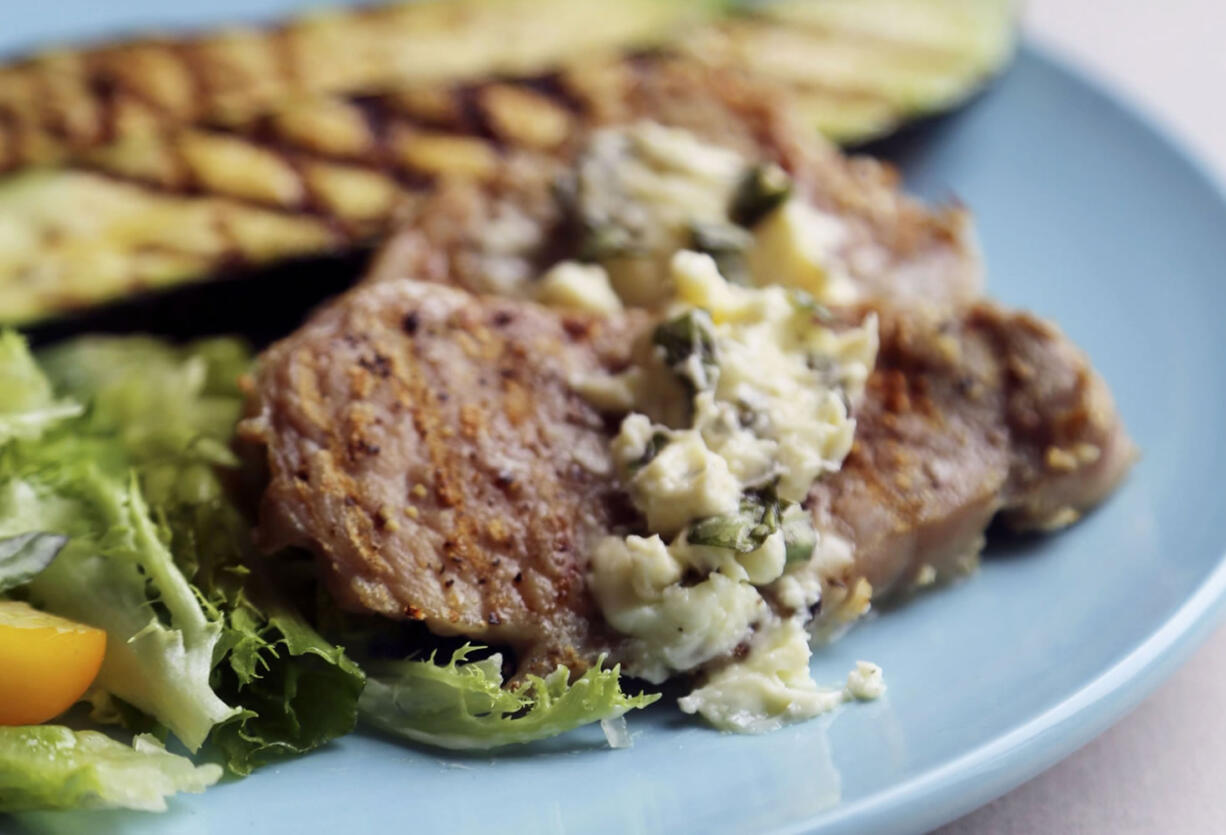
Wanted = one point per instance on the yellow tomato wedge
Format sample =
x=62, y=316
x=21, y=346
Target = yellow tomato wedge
x=46, y=663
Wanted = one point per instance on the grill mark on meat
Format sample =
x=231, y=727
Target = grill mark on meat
x=462, y=545
x=459, y=549
x=482, y=552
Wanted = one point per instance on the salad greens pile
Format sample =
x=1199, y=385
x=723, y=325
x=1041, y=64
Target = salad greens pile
x=121, y=507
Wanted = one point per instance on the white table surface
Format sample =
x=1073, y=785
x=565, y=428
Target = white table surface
x=1162, y=769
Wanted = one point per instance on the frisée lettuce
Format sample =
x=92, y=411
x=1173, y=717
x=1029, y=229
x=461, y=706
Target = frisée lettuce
x=157, y=553
x=464, y=705
x=174, y=410
x=117, y=575
x=27, y=405
x=23, y=557
x=52, y=767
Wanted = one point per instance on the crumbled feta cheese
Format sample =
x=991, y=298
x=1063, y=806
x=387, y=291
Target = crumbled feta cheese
x=799, y=589
x=574, y=286
x=865, y=682
x=739, y=402
x=766, y=347
x=796, y=246
x=672, y=627
x=684, y=481
x=767, y=689
x=610, y=392
x=639, y=189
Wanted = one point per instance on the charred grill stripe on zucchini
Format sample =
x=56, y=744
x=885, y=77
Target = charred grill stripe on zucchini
x=859, y=68
x=316, y=177
x=60, y=103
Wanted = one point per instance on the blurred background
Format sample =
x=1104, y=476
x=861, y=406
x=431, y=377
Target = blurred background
x=1161, y=768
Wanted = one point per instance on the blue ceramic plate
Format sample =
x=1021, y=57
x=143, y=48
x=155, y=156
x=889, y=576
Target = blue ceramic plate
x=1088, y=216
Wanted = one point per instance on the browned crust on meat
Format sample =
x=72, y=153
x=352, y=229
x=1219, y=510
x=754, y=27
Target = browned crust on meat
x=1070, y=447
x=953, y=428
x=925, y=472
x=426, y=445
x=967, y=415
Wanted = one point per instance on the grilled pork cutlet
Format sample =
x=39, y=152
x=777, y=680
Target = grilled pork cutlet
x=325, y=176
x=968, y=415
x=426, y=445
x=495, y=233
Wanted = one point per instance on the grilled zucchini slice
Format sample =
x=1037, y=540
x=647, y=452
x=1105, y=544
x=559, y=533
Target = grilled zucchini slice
x=71, y=239
x=180, y=196
x=60, y=103
x=318, y=177
x=859, y=69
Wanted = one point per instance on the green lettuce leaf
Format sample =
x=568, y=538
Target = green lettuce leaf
x=52, y=767
x=171, y=411
x=27, y=404
x=297, y=691
x=23, y=557
x=463, y=705
x=157, y=401
x=116, y=574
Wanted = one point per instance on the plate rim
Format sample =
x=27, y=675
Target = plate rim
x=975, y=778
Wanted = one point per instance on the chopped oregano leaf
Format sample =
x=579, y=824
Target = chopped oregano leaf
x=763, y=189
x=761, y=514
x=746, y=530
x=688, y=345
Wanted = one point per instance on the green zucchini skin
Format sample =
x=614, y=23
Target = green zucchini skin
x=861, y=69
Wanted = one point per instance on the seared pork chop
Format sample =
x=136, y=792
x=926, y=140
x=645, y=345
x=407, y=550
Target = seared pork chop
x=426, y=445
x=965, y=416
x=970, y=411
